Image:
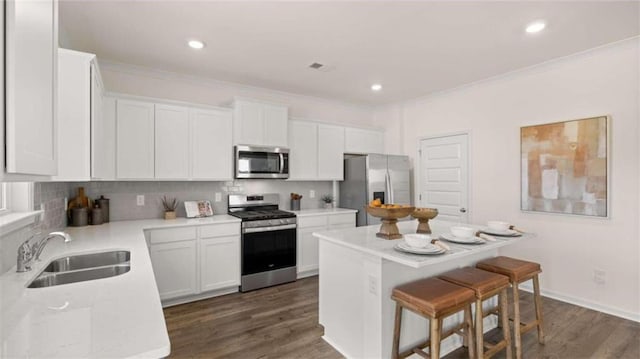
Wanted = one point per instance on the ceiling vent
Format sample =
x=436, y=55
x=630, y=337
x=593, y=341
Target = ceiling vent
x=320, y=67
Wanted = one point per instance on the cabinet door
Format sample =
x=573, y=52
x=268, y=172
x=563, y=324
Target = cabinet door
x=171, y=142
x=98, y=132
x=308, y=249
x=330, y=152
x=219, y=263
x=363, y=141
x=174, y=266
x=276, y=120
x=134, y=148
x=74, y=116
x=303, y=155
x=248, y=123
x=31, y=51
x=103, y=131
x=211, y=145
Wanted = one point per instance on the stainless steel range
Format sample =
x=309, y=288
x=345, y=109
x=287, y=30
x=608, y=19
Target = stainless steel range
x=268, y=240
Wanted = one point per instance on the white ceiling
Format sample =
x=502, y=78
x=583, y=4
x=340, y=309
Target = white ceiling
x=411, y=48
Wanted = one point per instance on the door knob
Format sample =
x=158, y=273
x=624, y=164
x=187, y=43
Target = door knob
x=463, y=210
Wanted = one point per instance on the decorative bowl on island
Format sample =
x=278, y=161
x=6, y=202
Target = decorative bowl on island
x=423, y=215
x=389, y=215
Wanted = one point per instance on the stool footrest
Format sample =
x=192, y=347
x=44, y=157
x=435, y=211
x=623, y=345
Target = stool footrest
x=421, y=353
x=423, y=345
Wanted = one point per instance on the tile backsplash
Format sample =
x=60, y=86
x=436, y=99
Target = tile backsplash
x=123, y=206
x=123, y=195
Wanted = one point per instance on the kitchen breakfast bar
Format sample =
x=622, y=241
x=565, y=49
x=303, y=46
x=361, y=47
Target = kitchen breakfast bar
x=358, y=272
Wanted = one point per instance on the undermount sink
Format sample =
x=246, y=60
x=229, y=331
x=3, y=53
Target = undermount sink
x=81, y=268
x=83, y=261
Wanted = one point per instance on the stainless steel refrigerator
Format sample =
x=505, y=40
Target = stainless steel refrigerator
x=374, y=176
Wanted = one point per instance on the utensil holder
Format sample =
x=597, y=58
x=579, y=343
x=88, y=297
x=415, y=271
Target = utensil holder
x=295, y=204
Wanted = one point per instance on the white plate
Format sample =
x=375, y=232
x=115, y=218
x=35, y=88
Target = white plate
x=473, y=240
x=431, y=249
x=504, y=233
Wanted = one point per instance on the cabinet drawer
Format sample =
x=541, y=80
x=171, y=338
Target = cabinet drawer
x=172, y=235
x=314, y=221
x=220, y=230
x=347, y=218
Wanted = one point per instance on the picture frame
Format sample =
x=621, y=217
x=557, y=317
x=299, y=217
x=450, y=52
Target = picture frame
x=565, y=167
x=195, y=209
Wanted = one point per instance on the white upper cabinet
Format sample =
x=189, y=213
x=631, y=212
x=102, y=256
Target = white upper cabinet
x=276, y=120
x=316, y=151
x=103, y=138
x=330, y=152
x=171, y=142
x=79, y=111
x=30, y=54
x=359, y=140
x=261, y=124
x=303, y=150
x=135, y=139
x=211, y=144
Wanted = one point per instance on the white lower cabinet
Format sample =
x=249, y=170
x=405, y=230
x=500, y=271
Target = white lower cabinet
x=174, y=268
x=308, y=244
x=193, y=262
x=308, y=249
x=219, y=262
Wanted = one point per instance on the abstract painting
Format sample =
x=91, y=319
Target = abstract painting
x=565, y=167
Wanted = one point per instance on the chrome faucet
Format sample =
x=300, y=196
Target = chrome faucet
x=27, y=253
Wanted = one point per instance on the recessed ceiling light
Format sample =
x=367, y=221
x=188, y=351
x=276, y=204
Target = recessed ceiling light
x=376, y=87
x=196, y=44
x=535, y=27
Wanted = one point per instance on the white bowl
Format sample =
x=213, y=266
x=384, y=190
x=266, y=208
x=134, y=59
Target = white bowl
x=463, y=232
x=417, y=240
x=498, y=225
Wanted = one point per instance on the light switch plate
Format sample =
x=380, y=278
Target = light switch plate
x=312, y=194
x=218, y=196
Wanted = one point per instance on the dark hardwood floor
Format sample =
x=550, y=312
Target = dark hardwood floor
x=282, y=322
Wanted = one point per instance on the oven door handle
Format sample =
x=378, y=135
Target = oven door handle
x=269, y=229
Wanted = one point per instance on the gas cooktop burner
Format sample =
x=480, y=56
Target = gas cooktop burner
x=254, y=215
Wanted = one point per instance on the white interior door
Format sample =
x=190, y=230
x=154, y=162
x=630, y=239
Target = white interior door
x=444, y=176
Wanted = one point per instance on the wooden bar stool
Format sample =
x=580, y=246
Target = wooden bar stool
x=519, y=271
x=485, y=285
x=433, y=299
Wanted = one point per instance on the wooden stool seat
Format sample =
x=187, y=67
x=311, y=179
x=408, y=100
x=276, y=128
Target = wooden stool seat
x=432, y=296
x=516, y=269
x=519, y=271
x=434, y=299
x=485, y=285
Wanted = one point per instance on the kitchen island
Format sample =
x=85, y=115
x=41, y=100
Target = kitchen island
x=358, y=271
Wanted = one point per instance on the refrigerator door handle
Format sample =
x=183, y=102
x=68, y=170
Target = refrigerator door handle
x=393, y=199
x=387, y=187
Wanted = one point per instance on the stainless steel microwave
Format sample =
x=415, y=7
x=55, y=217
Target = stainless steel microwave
x=262, y=162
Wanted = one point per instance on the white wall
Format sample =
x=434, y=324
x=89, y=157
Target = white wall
x=603, y=81
x=159, y=84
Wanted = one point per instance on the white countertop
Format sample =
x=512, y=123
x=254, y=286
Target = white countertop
x=364, y=239
x=117, y=317
x=323, y=211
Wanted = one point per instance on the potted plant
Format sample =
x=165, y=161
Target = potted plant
x=170, y=206
x=328, y=201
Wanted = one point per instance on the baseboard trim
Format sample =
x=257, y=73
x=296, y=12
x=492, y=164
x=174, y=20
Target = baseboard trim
x=308, y=273
x=192, y=298
x=584, y=303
